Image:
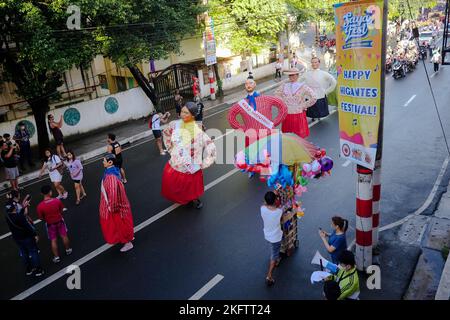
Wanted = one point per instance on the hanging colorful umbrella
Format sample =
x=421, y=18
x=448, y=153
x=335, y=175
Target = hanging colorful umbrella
x=281, y=148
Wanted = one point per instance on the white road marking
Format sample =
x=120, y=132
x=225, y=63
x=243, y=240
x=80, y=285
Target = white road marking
x=433, y=75
x=100, y=250
x=410, y=100
x=37, y=221
x=204, y=290
x=134, y=145
x=346, y=163
x=105, y=247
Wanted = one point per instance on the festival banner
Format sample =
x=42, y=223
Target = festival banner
x=360, y=70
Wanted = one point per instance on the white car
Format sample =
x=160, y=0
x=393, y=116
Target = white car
x=425, y=37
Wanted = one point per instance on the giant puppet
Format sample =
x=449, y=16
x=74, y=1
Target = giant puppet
x=256, y=113
x=298, y=97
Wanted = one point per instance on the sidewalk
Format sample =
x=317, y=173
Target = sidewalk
x=431, y=279
x=411, y=255
x=93, y=144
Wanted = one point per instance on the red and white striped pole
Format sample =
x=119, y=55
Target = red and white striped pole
x=363, y=253
x=376, y=202
x=212, y=90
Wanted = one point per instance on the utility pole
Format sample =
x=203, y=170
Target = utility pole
x=369, y=181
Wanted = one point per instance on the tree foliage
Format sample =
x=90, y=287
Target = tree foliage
x=248, y=26
x=399, y=8
x=36, y=47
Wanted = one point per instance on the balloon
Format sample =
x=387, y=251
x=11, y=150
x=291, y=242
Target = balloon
x=282, y=177
x=299, y=190
x=323, y=152
x=315, y=167
x=303, y=181
x=327, y=164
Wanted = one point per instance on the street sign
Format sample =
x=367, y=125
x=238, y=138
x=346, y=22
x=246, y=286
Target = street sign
x=360, y=74
x=209, y=43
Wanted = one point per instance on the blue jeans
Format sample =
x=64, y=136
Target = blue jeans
x=29, y=252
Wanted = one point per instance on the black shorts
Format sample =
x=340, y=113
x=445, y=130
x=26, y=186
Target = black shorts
x=119, y=162
x=157, y=134
x=59, y=141
x=76, y=181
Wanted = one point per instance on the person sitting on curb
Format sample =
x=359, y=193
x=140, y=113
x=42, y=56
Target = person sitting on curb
x=347, y=276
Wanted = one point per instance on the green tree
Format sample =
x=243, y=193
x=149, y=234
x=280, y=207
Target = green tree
x=34, y=57
x=248, y=26
x=36, y=48
x=321, y=12
x=399, y=8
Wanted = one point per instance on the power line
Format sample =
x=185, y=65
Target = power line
x=430, y=86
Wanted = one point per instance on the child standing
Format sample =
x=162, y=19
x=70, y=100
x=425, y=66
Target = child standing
x=76, y=173
x=271, y=216
x=50, y=211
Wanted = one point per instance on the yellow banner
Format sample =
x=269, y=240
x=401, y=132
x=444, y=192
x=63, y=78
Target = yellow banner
x=359, y=63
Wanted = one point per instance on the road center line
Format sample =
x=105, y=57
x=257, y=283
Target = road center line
x=346, y=163
x=105, y=247
x=410, y=100
x=204, y=290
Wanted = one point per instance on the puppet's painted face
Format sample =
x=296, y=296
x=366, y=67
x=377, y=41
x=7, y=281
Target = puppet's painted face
x=250, y=85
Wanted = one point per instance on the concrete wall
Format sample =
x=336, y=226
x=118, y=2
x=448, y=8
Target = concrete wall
x=132, y=104
x=239, y=79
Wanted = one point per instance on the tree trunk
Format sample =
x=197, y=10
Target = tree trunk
x=219, y=81
x=40, y=108
x=144, y=84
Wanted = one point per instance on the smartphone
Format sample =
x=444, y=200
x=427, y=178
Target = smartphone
x=28, y=198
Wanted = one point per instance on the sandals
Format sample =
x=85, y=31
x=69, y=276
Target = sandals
x=270, y=282
x=83, y=196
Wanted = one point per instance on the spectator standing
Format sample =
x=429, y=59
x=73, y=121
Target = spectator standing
x=55, y=168
x=155, y=125
x=278, y=68
x=8, y=155
x=178, y=102
x=22, y=135
x=25, y=236
x=273, y=234
x=436, y=59
x=76, y=173
x=55, y=129
x=115, y=148
x=50, y=211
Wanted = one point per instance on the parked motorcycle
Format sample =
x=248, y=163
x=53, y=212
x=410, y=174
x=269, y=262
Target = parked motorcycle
x=398, y=70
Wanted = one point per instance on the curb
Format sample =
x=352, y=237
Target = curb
x=99, y=151
x=443, y=291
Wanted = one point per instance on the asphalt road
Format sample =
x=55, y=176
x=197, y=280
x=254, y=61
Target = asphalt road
x=180, y=249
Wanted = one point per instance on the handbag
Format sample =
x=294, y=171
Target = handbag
x=61, y=167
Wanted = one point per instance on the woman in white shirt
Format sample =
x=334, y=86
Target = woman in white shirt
x=55, y=167
x=322, y=84
x=271, y=216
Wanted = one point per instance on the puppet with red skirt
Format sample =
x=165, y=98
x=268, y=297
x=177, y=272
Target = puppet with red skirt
x=116, y=219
